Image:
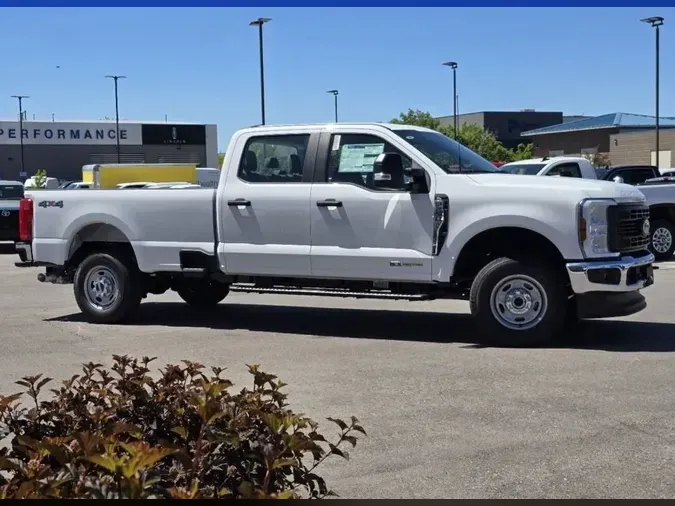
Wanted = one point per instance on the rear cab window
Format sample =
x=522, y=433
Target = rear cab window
x=11, y=191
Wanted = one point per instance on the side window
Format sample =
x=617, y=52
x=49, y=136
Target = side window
x=352, y=156
x=636, y=176
x=565, y=170
x=273, y=159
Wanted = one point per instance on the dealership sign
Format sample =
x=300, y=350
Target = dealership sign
x=43, y=132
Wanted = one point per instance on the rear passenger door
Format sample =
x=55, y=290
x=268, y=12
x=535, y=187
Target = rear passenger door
x=264, y=222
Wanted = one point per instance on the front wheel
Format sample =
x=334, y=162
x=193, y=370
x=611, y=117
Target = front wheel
x=203, y=294
x=661, y=242
x=106, y=289
x=517, y=303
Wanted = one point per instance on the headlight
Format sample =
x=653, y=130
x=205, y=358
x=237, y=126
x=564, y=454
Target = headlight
x=593, y=228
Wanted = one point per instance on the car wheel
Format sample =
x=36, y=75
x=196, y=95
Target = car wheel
x=518, y=303
x=204, y=294
x=106, y=289
x=661, y=243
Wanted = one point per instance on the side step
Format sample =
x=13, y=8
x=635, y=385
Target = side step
x=330, y=293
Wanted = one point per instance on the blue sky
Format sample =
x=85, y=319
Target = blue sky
x=201, y=64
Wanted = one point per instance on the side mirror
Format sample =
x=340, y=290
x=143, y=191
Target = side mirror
x=388, y=172
x=618, y=179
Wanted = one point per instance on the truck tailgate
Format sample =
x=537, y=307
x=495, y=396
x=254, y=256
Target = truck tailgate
x=158, y=223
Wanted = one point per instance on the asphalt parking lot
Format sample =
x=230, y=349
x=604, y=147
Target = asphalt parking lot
x=593, y=417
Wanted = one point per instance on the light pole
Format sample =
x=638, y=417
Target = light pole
x=656, y=22
x=117, y=114
x=453, y=66
x=259, y=23
x=20, y=99
x=335, y=94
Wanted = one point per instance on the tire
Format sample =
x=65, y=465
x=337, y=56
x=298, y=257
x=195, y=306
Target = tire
x=537, y=291
x=662, y=240
x=107, y=289
x=204, y=294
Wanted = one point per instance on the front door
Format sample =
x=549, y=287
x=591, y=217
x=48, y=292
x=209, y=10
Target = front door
x=264, y=208
x=362, y=232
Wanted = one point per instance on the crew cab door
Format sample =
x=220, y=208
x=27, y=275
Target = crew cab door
x=263, y=208
x=360, y=231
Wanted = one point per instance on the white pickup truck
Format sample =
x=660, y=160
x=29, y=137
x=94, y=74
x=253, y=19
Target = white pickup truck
x=659, y=193
x=355, y=210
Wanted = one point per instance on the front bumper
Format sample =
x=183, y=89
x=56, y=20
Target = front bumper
x=625, y=274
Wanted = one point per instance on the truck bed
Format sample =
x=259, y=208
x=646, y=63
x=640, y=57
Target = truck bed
x=158, y=223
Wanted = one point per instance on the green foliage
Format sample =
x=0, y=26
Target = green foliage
x=523, y=152
x=599, y=160
x=118, y=433
x=221, y=158
x=472, y=136
x=40, y=178
x=417, y=118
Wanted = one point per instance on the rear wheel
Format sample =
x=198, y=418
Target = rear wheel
x=203, y=294
x=518, y=303
x=662, y=244
x=107, y=288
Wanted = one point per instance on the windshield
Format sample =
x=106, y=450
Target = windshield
x=448, y=154
x=11, y=192
x=523, y=169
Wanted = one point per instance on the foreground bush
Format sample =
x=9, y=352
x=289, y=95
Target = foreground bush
x=119, y=433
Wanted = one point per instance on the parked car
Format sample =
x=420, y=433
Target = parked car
x=328, y=212
x=11, y=193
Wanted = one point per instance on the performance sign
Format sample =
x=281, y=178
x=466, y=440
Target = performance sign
x=45, y=132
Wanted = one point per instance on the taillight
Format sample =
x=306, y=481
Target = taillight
x=26, y=219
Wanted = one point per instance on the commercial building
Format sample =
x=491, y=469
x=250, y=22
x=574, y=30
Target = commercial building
x=507, y=126
x=623, y=138
x=62, y=148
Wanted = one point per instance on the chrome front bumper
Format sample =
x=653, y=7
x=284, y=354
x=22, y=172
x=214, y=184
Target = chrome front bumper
x=625, y=274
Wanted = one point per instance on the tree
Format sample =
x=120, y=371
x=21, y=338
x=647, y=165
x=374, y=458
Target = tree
x=417, y=118
x=40, y=178
x=221, y=158
x=474, y=137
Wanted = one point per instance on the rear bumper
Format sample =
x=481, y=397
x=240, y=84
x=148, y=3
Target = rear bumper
x=25, y=253
x=625, y=274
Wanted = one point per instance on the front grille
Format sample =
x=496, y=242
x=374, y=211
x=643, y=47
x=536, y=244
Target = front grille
x=626, y=222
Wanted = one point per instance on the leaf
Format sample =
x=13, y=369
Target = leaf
x=181, y=431
x=43, y=383
x=286, y=494
x=360, y=429
x=350, y=439
x=338, y=452
x=279, y=463
x=13, y=464
x=127, y=428
x=338, y=422
x=9, y=399
x=104, y=461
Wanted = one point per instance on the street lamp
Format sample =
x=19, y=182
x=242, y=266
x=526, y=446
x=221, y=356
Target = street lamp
x=259, y=23
x=20, y=99
x=656, y=22
x=335, y=94
x=453, y=66
x=117, y=114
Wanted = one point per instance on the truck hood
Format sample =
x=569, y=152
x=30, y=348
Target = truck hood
x=592, y=188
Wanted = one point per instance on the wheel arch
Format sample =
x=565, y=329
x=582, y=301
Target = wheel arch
x=511, y=241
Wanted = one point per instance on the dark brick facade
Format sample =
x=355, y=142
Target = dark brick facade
x=573, y=143
x=508, y=125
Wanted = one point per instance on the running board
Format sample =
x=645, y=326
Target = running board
x=330, y=293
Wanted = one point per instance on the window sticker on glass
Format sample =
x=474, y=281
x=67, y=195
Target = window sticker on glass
x=359, y=157
x=336, y=142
